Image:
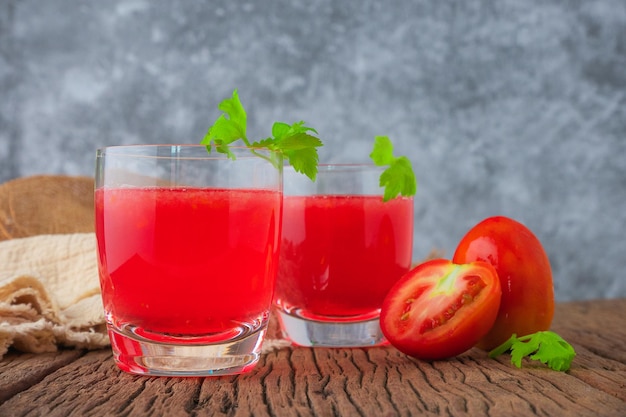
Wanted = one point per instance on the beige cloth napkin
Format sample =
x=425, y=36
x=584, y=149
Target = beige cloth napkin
x=50, y=294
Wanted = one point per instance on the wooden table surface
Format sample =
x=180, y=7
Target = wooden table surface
x=296, y=381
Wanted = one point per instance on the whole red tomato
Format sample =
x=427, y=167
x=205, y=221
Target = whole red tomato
x=439, y=310
x=524, y=271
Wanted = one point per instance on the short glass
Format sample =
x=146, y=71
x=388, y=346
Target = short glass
x=188, y=249
x=342, y=249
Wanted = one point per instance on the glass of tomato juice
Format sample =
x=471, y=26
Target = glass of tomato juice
x=187, y=248
x=342, y=248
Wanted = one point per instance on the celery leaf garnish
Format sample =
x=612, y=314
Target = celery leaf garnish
x=546, y=347
x=399, y=177
x=294, y=141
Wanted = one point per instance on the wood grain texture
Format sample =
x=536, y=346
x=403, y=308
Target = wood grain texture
x=19, y=372
x=341, y=382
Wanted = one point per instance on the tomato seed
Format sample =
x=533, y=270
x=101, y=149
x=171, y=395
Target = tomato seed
x=474, y=286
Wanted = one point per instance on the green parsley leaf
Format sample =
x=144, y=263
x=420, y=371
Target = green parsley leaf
x=399, y=177
x=294, y=142
x=228, y=130
x=546, y=347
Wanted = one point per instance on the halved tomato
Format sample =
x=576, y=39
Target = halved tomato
x=440, y=309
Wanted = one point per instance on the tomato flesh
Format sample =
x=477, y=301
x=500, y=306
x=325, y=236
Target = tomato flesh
x=474, y=286
x=524, y=272
x=440, y=309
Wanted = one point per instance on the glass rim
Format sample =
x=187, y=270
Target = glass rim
x=179, y=145
x=135, y=150
x=343, y=167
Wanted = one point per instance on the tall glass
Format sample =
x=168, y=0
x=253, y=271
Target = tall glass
x=188, y=249
x=342, y=249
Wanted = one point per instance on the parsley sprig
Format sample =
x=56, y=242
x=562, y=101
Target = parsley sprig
x=294, y=141
x=399, y=177
x=547, y=347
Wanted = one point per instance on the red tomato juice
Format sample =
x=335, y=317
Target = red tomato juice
x=340, y=255
x=187, y=262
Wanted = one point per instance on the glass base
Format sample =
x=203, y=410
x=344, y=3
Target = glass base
x=138, y=355
x=304, y=332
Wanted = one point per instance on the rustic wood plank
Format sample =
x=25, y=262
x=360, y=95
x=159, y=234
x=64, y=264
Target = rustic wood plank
x=94, y=386
x=599, y=326
x=346, y=382
x=19, y=371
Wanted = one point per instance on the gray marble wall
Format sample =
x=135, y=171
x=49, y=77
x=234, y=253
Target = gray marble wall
x=505, y=107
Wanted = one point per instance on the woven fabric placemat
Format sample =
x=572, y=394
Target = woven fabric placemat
x=46, y=204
